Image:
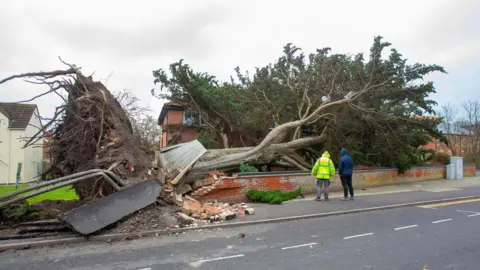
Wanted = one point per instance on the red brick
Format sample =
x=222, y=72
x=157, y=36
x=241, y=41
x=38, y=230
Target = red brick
x=190, y=207
x=212, y=210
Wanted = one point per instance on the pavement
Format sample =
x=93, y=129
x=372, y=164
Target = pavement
x=368, y=198
x=439, y=235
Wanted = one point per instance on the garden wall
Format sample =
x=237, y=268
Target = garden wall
x=233, y=189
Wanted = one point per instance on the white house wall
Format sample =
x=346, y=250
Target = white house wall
x=11, y=152
x=16, y=154
x=33, y=155
x=4, y=139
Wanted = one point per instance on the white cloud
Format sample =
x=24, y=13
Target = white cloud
x=129, y=39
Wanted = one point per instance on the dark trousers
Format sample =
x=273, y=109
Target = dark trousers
x=347, y=184
x=325, y=183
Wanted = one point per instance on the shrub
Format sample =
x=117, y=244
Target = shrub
x=245, y=167
x=275, y=196
x=441, y=158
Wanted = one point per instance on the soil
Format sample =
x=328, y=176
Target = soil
x=150, y=218
x=52, y=208
x=22, y=212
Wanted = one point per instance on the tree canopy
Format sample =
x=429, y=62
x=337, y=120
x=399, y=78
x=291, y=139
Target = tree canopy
x=317, y=101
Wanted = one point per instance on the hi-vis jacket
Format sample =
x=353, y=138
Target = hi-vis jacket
x=324, y=168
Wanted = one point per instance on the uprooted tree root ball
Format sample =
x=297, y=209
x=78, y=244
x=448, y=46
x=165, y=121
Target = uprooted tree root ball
x=90, y=130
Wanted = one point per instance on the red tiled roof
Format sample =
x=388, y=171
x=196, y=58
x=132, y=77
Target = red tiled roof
x=18, y=114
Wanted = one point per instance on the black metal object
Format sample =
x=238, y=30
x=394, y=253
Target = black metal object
x=95, y=216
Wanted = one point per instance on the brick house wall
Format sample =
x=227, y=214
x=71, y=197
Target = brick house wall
x=463, y=145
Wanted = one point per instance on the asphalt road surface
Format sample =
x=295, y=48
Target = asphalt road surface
x=444, y=236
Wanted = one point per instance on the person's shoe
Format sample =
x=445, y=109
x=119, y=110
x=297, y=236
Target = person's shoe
x=318, y=199
x=352, y=198
x=326, y=199
x=344, y=199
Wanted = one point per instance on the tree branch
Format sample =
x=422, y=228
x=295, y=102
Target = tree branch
x=46, y=75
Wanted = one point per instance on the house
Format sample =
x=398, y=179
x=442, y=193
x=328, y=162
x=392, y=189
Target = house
x=18, y=123
x=180, y=124
x=47, y=155
x=461, y=140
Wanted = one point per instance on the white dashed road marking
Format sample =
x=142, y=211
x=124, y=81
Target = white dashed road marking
x=145, y=269
x=304, y=245
x=474, y=215
x=222, y=258
x=356, y=236
x=442, y=220
x=470, y=212
x=406, y=227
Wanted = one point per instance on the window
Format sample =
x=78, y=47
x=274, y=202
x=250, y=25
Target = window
x=193, y=118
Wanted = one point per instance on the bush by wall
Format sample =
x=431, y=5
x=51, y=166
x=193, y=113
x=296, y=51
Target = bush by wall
x=441, y=158
x=245, y=167
x=273, y=197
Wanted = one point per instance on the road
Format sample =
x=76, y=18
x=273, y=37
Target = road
x=443, y=236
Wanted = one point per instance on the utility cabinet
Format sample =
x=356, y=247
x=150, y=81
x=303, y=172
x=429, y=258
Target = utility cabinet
x=457, y=163
x=450, y=173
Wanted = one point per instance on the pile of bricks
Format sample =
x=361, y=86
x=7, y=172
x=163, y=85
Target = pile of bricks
x=212, y=212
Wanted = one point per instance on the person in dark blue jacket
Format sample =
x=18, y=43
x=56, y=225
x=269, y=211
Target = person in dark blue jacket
x=345, y=169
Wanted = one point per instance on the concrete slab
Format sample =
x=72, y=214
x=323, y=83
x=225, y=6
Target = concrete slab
x=94, y=216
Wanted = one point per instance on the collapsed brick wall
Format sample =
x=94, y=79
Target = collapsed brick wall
x=233, y=189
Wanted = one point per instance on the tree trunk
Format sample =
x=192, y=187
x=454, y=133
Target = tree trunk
x=224, y=138
x=233, y=157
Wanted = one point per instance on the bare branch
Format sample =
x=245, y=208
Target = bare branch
x=45, y=75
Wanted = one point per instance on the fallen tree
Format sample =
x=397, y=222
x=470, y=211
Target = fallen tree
x=322, y=101
x=90, y=130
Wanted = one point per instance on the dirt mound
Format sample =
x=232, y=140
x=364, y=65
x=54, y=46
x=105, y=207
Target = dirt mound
x=23, y=212
x=150, y=218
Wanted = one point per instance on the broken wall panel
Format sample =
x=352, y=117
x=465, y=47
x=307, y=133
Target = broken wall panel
x=176, y=161
x=179, y=157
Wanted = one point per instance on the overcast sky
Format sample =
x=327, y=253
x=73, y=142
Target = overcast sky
x=125, y=40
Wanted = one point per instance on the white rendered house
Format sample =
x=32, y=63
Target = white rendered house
x=18, y=123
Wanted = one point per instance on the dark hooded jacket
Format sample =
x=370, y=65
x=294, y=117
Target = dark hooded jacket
x=345, y=167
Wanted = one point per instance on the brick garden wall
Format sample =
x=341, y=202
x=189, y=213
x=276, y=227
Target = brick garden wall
x=233, y=189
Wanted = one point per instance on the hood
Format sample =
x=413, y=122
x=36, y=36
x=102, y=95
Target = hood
x=326, y=154
x=344, y=152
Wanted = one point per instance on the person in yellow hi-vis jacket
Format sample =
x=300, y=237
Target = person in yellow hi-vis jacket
x=323, y=171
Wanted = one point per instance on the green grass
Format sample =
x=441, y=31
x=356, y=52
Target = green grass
x=64, y=193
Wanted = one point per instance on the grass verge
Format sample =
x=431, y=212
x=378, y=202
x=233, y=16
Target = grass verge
x=64, y=193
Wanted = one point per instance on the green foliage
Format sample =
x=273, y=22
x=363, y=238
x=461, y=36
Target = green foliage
x=274, y=197
x=207, y=139
x=376, y=127
x=23, y=212
x=245, y=167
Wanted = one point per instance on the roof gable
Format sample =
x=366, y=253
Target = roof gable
x=18, y=114
x=167, y=107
